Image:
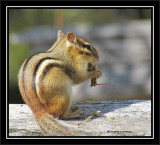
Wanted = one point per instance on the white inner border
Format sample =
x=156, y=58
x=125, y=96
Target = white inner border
x=152, y=103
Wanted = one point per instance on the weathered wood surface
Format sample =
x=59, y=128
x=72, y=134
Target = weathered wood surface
x=117, y=118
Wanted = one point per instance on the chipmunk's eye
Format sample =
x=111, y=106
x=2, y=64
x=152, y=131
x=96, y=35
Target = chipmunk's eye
x=88, y=47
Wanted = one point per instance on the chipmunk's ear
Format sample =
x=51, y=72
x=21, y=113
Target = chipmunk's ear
x=71, y=37
x=60, y=35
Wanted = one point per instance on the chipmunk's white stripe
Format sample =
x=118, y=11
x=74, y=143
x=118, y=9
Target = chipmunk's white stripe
x=40, y=71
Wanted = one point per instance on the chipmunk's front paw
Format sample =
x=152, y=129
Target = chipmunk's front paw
x=95, y=74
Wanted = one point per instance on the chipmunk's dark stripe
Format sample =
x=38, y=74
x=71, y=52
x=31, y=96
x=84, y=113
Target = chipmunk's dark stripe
x=43, y=74
x=47, y=69
x=23, y=74
x=36, y=69
x=24, y=69
x=69, y=71
x=23, y=78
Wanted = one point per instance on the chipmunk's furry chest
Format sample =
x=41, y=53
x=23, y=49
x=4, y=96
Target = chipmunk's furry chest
x=80, y=73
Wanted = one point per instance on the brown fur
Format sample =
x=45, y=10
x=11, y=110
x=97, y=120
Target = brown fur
x=45, y=80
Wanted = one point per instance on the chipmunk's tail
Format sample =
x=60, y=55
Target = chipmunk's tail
x=52, y=127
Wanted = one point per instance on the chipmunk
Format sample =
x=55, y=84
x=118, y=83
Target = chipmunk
x=46, y=80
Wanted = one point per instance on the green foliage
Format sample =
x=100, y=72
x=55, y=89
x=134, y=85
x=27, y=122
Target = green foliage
x=17, y=54
x=23, y=18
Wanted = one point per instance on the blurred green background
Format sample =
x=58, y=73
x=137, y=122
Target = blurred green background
x=21, y=20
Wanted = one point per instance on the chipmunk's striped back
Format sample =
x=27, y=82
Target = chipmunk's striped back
x=25, y=83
